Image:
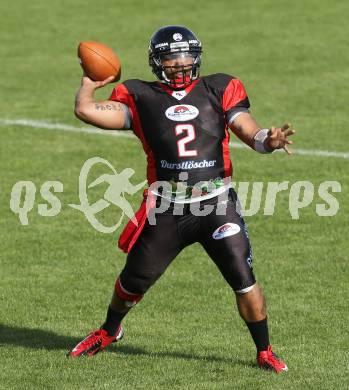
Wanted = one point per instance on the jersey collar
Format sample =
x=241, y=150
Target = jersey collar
x=181, y=93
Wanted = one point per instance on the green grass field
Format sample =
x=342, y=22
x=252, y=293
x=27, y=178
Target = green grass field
x=57, y=273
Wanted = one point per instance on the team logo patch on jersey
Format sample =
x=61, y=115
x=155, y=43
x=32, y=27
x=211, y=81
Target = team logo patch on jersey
x=182, y=113
x=226, y=230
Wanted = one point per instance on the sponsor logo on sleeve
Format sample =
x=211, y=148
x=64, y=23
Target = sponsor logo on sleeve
x=226, y=230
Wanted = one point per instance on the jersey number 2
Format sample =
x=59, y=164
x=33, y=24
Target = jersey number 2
x=183, y=151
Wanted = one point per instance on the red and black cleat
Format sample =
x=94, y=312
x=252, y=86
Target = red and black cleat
x=267, y=360
x=95, y=342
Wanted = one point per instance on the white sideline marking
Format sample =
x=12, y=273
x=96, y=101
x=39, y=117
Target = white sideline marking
x=128, y=134
x=60, y=126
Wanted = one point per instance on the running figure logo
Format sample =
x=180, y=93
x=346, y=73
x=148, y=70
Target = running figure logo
x=119, y=184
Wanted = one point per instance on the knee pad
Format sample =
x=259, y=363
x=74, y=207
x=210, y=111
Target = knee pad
x=128, y=297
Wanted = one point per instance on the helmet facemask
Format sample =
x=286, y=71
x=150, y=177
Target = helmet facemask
x=178, y=70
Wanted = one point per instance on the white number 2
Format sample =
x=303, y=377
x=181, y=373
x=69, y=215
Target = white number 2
x=181, y=144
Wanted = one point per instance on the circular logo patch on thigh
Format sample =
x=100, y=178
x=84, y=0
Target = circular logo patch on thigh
x=226, y=230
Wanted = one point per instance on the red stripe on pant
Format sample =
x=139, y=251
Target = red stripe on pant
x=125, y=295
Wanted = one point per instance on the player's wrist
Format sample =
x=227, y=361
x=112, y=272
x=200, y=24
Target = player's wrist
x=267, y=145
x=261, y=142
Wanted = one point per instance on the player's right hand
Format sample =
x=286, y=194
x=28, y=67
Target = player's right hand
x=87, y=82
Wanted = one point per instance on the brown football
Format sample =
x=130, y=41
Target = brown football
x=99, y=61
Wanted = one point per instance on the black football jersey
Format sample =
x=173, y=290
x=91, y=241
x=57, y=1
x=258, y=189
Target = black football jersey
x=184, y=131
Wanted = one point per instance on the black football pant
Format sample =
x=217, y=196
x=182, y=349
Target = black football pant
x=224, y=237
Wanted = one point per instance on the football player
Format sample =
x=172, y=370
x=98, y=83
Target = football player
x=183, y=122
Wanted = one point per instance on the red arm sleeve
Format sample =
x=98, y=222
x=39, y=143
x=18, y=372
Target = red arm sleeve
x=235, y=99
x=121, y=94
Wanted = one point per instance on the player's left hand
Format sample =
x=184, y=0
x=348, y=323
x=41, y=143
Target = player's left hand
x=277, y=138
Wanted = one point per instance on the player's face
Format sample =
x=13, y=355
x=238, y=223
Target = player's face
x=176, y=64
